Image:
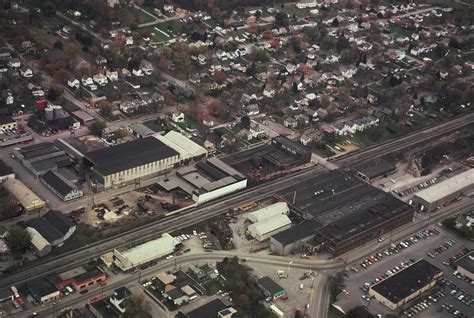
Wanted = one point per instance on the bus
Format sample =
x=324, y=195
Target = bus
x=248, y=206
x=14, y=291
x=277, y=311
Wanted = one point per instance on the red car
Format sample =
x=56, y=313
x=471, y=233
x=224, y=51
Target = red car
x=103, y=283
x=94, y=298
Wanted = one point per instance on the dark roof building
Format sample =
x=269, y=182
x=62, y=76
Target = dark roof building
x=54, y=226
x=129, y=161
x=6, y=172
x=103, y=309
x=42, y=157
x=209, y=310
x=465, y=265
x=372, y=170
x=406, y=284
x=350, y=211
x=42, y=290
x=61, y=186
x=271, y=288
x=293, y=239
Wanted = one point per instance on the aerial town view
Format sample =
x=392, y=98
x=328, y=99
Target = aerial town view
x=237, y=158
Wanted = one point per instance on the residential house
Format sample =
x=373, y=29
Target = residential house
x=119, y=296
x=54, y=226
x=268, y=92
x=100, y=79
x=73, y=82
x=290, y=122
x=100, y=60
x=87, y=80
x=14, y=63
x=146, y=67
x=177, y=117
x=112, y=75
x=252, y=109
x=138, y=72
x=26, y=72
x=208, y=122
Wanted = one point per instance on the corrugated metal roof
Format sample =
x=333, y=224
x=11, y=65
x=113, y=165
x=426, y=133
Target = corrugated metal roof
x=37, y=240
x=268, y=212
x=150, y=250
x=266, y=226
x=447, y=187
x=182, y=144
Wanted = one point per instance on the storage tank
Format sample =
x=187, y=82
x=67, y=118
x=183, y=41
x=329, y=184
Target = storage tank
x=57, y=111
x=49, y=113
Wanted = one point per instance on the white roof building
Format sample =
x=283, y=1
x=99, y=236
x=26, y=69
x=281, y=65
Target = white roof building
x=268, y=212
x=445, y=191
x=40, y=245
x=144, y=253
x=187, y=148
x=264, y=229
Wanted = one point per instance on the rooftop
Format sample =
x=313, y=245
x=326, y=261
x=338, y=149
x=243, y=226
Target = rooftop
x=41, y=287
x=448, y=186
x=209, y=310
x=467, y=262
x=147, y=251
x=129, y=155
x=297, y=232
x=58, y=183
x=270, y=285
x=375, y=169
x=290, y=144
x=5, y=169
x=402, y=284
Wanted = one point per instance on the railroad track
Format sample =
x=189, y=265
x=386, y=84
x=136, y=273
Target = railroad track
x=215, y=208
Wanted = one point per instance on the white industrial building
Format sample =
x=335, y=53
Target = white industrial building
x=264, y=229
x=444, y=192
x=144, y=253
x=186, y=148
x=268, y=212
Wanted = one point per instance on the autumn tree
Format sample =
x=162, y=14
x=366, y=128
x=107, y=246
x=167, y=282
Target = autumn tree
x=18, y=239
x=181, y=55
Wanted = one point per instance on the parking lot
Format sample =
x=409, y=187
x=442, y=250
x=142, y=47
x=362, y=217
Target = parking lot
x=387, y=264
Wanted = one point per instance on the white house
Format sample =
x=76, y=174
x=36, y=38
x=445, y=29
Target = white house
x=137, y=72
x=252, y=110
x=100, y=79
x=73, y=83
x=208, y=122
x=87, y=80
x=14, y=63
x=268, y=92
x=26, y=72
x=112, y=75
x=129, y=40
x=177, y=117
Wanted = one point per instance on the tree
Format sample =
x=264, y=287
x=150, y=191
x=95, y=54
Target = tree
x=58, y=45
x=251, y=70
x=97, y=127
x=52, y=94
x=18, y=239
x=281, y=19
x=8, y=210
x=294, y=88
x=136, y=307
x=359, y=312
x=245, y=122
x=336, y=283
x=335, y=22
x=342, y=43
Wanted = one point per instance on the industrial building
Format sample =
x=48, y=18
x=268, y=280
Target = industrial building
x=188, y=149
x=294, y=238
x=465, y=265
x=407, y=284
x=205, y=181
x=129, y=162
x=41, y=247
x=42, y=291
x=268, y=212
x=6, y=172
x=139, y=130
x=54, y=227
x=267, y=161
x=144, y=253
x=349, y=211
x=270, y=288
x=264, y=229
x=61, y=186
x=79, y=278
x=444, y=192
x=42, y=157
x=375, y=169
x=25, y=197
x=7, y=123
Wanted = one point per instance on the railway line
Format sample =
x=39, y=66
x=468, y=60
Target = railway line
x=217, y=207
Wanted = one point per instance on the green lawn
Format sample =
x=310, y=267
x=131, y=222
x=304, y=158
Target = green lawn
x=142, y=17
x=213, y=286
x=398, y=30
x=83, y=235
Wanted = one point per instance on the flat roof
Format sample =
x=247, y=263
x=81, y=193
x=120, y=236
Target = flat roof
x=270, y=285
x=407, y=281
x=41, y=286
x=208, y=310
x=296, y=146
x=343, y=204
x=129, y=155
x=375, y=169
x=297, y=232
x=270, y=224
x=447, y=187
x=150, y=250
x=467, y=262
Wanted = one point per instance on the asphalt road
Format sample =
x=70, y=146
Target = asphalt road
x=220, y=206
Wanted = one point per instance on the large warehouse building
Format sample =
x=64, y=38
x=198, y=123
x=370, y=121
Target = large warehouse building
x=144, y=253
x=264, y=229
x=128, y=162
x=406, y=284
x=205, y=181
x=444, y=192
x=25, y=197
x=348, y=212
x=188, y=149
x=268, y=212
